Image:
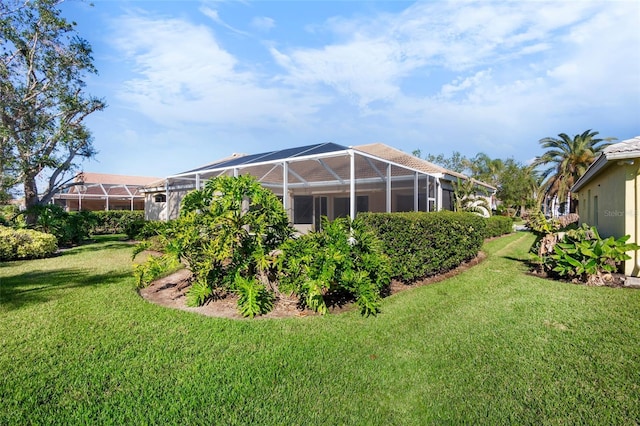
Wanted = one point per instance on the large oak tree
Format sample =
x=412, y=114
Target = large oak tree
x=43, y=63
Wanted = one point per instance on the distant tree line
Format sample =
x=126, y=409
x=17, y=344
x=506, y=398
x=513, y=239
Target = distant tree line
x=549, y=177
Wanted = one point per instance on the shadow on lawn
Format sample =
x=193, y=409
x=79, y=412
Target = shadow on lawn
x=91, y=247
x=524, y=261
x=34, y=287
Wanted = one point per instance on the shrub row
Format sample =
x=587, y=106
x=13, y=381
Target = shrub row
x=118, y=222
x=498, y=225
x=424, y=244
x=25, y=244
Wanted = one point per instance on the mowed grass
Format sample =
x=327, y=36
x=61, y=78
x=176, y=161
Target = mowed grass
x=490, y=346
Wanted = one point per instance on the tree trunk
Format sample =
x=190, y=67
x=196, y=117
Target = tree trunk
x=30, y=197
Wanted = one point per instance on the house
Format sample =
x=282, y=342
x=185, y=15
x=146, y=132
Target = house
x=609, y=193
x=100, y=191
x=324, y=179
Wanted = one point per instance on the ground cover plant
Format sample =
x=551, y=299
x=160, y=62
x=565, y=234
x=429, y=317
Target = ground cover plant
x=492, y=345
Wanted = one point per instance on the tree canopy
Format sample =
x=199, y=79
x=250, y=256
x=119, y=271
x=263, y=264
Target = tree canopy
x=43, y=63
x=568, y=159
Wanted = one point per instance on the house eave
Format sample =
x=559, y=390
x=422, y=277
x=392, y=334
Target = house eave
x=604, y=160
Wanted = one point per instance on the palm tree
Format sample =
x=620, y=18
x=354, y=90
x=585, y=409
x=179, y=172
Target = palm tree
x=487, y=169
x=467, y=199
x=568, y=159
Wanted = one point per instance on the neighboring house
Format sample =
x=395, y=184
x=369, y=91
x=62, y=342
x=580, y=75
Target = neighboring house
x=609, y=195
x=324, y=180
x=100, y=191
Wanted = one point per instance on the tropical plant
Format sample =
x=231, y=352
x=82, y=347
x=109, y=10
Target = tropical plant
x=343, y=257
x=581, y=254
x=518, y=187
x=466, y=198
x=226, y=235
x=541, y=226
x=568, y=159
x=487, y=169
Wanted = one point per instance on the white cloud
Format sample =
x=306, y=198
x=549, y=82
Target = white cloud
x=263, y=23
x=182, y=74
x=437, y=76
x=521, y=68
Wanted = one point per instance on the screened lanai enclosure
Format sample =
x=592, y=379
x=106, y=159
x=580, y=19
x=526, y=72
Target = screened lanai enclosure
x=100, y=191
x=322, y=180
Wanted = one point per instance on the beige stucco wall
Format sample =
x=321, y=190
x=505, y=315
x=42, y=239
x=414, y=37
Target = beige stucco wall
x=610, y=202
x=162, y=210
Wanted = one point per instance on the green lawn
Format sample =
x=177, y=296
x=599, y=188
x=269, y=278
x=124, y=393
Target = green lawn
x=493, y=345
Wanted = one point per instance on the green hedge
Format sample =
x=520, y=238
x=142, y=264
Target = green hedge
x=423, y=244
x=118, y=222
x=498, y=225
x=25, y=244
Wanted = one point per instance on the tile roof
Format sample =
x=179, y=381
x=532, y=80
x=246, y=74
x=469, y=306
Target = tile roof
x=627, y=149
x=629, y=145
x=392, y=154
x=104, y=178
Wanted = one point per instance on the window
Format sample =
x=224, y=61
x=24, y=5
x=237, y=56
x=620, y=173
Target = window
x=320, y=210
x=595, y=211
x=160, y=198
x=405, y=203
x=447, y=200
x=341, y=205
x=303, y=209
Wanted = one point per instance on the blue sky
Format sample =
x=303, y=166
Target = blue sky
x=188, y=82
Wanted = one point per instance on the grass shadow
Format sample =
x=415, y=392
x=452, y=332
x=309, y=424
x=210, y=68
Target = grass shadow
x=91, y=247
x=41, y=286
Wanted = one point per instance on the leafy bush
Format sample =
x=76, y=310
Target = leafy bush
x=498, y=225
x=7, y=213
x=118, y=222
x=423, y=244
x=153, y=228
x=581, y=254
x=540, y=225
x=343, y=257
x=68, y=228
x=155, y=267
x=226, y=234
x=25, y=244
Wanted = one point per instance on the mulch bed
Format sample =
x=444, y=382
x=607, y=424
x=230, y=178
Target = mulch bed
x=171, y=291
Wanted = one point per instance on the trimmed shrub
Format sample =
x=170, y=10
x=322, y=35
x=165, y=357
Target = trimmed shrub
x=423, y=244
x=118, y=222
x=25, y=244
x=498, y=225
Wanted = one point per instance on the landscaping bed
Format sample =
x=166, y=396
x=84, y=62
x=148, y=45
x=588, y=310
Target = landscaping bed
x=171, y=291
